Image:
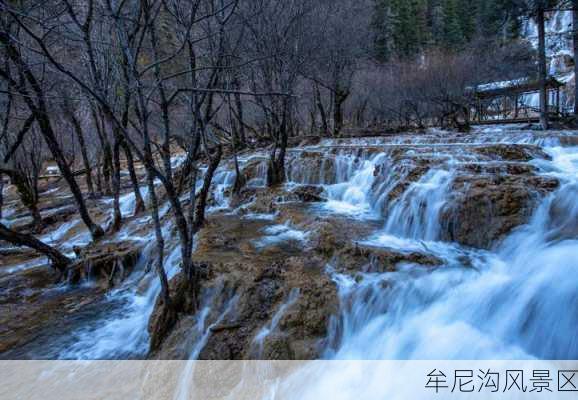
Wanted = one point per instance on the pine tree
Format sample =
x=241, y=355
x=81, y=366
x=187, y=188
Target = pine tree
x=466, y=13
x=405, y=28
x=381, y=31
x=453, y=36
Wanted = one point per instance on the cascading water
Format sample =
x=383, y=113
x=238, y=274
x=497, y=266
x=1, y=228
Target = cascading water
x=478, y=305
x=258, y=341
x=352, y=192
x=416, y=214
x=496, y=308
x=201, y=333
x=124, y=332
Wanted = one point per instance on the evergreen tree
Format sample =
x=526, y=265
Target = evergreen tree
x=466, y=12
x=453, y=37
x=405, y=31
x=381, y=32
x=405, y=28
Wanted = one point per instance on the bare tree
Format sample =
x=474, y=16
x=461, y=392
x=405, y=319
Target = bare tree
x=341, y=48
x=59, y=260
x=29, y=87
x=23, y=164
x=277, y=36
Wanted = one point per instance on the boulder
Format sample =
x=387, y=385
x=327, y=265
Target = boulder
x=563, y=213
x=357, y=257
x=484, y=209
x=309, y=194
x=256, y=294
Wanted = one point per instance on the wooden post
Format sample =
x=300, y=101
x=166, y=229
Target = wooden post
x=479, y=110
x=558, y=100
x=540, y=20
x=575, y=39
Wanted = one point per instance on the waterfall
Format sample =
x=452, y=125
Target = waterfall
x=123, y=332
x=497, y=308
x=259, y=339
x=478, y=304
x=416, y=214
x=201, y=333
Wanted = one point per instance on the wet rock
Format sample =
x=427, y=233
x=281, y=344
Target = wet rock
x=108, y=264
x=310, y=141
x=277, y=347
x=499, y=168
x=563, y=214
x=309, y=194
x=484, y=209
x=164, y=317
x=161, y=323
x=509, y=152
x=261, y=201
x=257, y=292
x=311, y=168
x=270, y=200
x=324, y=238
x=306, y=322
x=373, y=259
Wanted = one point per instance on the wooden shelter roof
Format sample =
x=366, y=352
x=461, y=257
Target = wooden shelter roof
x=516, y=86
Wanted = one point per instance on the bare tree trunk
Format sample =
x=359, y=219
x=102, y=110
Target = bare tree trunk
x=241, y=118
x=117, y=218
x=106, y=153
x=98, y=178
x=95, y=230
x=59, y=260
x=107, y=169
x=83, y=151
x=201, y=203
x=36, y=102
x=154, y=208
x=540, y=20
x=575, y=38
x=139, y=202
x=276, y=170
x=324, y=124
x=28, y=195
x=339, y=98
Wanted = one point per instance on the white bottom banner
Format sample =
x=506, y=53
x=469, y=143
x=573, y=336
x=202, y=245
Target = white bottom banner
x=315, y=380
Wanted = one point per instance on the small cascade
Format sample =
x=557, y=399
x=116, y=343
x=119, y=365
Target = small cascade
x=223, y=181
x=480, y=304
x=201, y=333
x=352, y=194
x=416, y=214
x=123, y=332
x=278, y=234
x=259, y=340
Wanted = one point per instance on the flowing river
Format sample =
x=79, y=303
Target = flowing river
x=516, y=299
